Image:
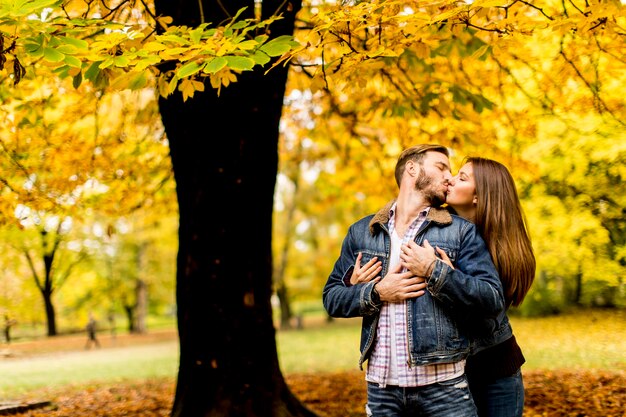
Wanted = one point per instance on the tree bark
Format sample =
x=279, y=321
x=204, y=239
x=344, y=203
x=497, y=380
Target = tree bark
x=141, y=291
x=285, y=307
x=130, y=317
x=141, y=306
x=228, y=359
x=282, y=291
x=50, y=312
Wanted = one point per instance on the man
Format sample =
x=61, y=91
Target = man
x=410, y=335
x=91, y=333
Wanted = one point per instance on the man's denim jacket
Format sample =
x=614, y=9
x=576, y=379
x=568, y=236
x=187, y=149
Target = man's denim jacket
x=462, y=306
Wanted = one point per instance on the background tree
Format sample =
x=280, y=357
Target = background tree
x=18, y=301
x=225, y=201
x=66, y=155
x=137, y=265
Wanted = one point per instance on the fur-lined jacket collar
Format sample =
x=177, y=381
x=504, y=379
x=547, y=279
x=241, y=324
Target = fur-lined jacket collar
x=435, y=214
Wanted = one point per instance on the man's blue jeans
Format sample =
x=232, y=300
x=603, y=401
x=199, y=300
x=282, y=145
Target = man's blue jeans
x=444, y=399
x=503, y=397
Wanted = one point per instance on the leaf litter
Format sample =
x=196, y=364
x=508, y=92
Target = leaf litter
x=548, y=394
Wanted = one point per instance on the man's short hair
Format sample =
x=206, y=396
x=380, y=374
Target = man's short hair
x=416, y=153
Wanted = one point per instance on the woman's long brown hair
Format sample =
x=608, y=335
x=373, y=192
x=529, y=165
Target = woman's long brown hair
x=501, y=222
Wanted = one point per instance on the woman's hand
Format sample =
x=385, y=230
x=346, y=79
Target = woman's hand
x=368, y=272
x=444, y=256
x=418, y=259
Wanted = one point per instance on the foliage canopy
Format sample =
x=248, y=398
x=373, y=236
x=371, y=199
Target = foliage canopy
x=535, y=84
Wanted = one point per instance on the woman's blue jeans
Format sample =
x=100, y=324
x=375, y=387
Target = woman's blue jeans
x=444, y=399
x=503, y=397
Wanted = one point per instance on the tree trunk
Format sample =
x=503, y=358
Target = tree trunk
x=50, y=313
x=285, y=306
x=141, y=292
x=228, y=359
x=47, y=290
x=130, y=317
x=282, y=292
x=578, y=290
x=141, y=306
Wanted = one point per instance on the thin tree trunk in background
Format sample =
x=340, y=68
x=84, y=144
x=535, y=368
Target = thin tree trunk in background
x=141, y=292
x=50, y=312
x=141, y=307
x=130, y=317
x=282, y=291
x=285, y=308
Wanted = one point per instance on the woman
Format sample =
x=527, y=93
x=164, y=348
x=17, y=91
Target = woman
x=484, y=192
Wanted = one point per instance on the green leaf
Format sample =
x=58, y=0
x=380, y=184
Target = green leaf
x=34, y=46
x=196, y=35
x=278, y=46
x=106, y=63
x=63, y=71
x=66, y=49
x=215, y=65
x=234, y=19
x=53, y=55
x=30, y=47
x=261, y=38
x=275, y=49
x=240, y=25
x=77, y=80
x=121, y=61
x=72, y=61
x=283, y=38
x=260, y=58
x=137, y=82
x=188, y=69
x=102, y=79
x=247, y=45
x=77, y=43
x=240, y=63
x=92, y=71
x=171, y=86
x=34, y=50
x=178, y=40
x=147, y=62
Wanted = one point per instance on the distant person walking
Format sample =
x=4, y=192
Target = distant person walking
x=91, y=333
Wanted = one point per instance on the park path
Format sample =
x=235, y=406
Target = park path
x=82, y=359
x=64, y=360
x=76, y=343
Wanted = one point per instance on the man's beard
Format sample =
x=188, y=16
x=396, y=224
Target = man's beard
x=426, y=185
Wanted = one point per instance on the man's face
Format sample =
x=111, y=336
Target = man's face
x=434, y=177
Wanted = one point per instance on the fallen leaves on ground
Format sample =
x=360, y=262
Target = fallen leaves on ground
x=559, y=393
x=548, y=394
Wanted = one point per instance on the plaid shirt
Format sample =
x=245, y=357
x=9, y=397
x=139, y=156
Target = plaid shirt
x=389, y=362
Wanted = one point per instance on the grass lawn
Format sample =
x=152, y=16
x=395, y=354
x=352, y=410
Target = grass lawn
x=586, y=340
x=62, y=361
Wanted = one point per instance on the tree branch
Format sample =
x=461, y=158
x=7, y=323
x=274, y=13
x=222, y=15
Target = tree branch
x=31, y=264
x=536, y=8
x=599, y=104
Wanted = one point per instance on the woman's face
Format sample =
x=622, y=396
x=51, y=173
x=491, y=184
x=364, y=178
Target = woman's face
x=462, y=190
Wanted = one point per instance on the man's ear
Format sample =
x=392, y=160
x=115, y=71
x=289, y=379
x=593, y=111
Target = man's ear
x=411, y=168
